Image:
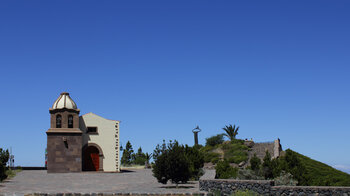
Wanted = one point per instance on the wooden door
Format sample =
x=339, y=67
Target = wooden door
x=91, y=159
x=95, y=158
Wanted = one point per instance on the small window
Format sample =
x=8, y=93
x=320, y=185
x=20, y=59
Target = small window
x=58, y=121
x=91, y=130
x=70, y=121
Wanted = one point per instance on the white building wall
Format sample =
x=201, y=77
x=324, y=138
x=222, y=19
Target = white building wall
x=107, y=138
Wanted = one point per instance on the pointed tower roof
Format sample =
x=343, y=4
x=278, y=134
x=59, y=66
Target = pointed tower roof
x=64, y=101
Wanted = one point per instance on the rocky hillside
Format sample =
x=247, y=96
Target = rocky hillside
x=237, y=152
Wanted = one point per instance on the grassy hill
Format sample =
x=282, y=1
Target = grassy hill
x=233, y=151
x=320, y=174
x=307, y=171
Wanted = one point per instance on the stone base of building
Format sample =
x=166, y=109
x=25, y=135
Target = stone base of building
x=64, y=150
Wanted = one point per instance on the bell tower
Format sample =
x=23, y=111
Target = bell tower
x=64, y=138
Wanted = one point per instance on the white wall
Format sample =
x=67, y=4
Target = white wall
x=107, y=138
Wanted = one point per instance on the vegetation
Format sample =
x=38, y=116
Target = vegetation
x=4, y=157
x=215, y=140
x=255, y=163
x=231, y=131
x=12, y=172
x=224, y=170
x=290, y=169
x=235, y=151
x=315, y=173
x=131, y=158
x=177, y=163
x=296, y=169
x=172, y=164
x=139, y=158
x=196, y=161
x=210, y=156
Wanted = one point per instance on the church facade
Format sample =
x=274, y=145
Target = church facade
x=80, y=143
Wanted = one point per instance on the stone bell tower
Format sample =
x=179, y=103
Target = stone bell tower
x=64, y=138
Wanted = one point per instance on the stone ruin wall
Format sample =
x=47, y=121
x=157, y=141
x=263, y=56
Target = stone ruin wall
x=260, y=149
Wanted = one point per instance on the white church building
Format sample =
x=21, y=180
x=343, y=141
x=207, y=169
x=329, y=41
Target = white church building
x=81, y=143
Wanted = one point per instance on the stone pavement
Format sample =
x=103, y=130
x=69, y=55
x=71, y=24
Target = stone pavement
x=134, y=181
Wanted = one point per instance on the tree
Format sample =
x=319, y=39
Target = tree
x=215, y=140
x=231, y=131
x=224, y=170
x=255, y=163
x=4, y=157
x=267, y=166
x=159, y=150
x=148, y=157
x=292, y=164
x=139, y=157
x=196, y=160
x=127, y=157
x=172, y=164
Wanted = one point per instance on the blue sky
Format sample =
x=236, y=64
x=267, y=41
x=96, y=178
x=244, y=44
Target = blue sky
x=278, y=69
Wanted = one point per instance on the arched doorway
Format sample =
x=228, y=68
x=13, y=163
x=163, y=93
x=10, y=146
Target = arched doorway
x=92, y=158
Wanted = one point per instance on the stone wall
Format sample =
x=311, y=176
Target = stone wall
x=266, y=187
x=228, y=186
x=63, y=152
x=310, y=190
x=260, y=149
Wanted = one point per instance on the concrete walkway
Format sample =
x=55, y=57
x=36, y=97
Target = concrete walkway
x=134, y=181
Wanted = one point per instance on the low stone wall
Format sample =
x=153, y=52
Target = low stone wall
x=310, y=190
x=266, y=187
x=228, y=186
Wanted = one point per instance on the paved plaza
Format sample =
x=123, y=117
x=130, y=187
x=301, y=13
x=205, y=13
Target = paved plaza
x=132, y=181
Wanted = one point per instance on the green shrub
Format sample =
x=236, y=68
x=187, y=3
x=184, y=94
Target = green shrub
x=196, y=161
x=207, y=148
x=210, y=156
x=172, y=165
x=214, y=140
x=268, y=166
x=4, y=157
x=255, y=163
x=310, y=172
x=248, y=174
x=285, y=179
x=235, y=152
x=215, y=160
x=225, y=171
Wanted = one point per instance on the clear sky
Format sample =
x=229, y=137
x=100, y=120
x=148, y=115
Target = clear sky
x=278, y=69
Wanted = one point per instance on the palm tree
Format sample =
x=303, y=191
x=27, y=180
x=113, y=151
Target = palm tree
x=231, y=131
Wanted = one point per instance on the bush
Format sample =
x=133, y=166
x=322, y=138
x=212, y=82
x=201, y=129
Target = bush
x=235, y=151
x=215, y=160
x=247, y=174
x=255, y=163
x=215, y=140
x=225, y=171
x=267, y=166
x=211, y=156
x=4, y=157
x=285, y=179
x=172, y=165
x=196, y=161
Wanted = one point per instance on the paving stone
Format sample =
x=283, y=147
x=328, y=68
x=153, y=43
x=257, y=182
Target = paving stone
x=139, y=181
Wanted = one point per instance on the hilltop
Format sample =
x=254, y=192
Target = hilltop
x=294, y=166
